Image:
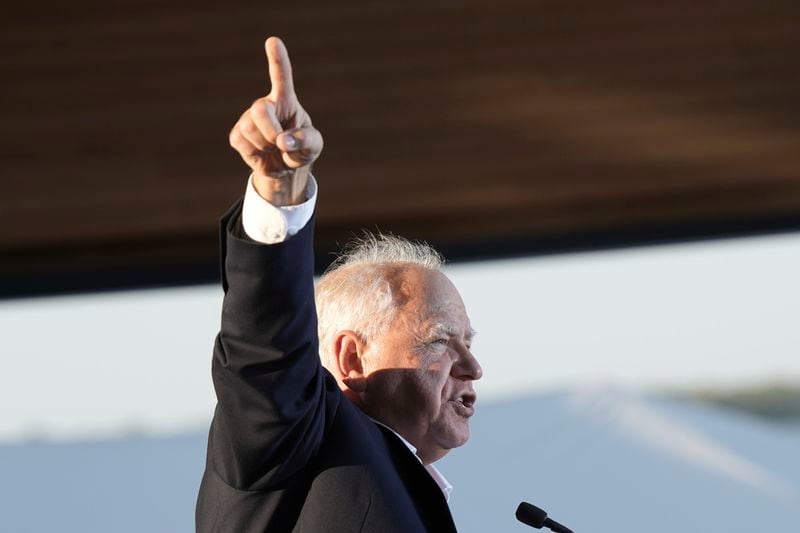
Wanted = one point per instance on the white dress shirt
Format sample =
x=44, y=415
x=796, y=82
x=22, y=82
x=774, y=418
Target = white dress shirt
x=437, y=476
x=268, y=224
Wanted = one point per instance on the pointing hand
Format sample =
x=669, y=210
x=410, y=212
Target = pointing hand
x=275, y=136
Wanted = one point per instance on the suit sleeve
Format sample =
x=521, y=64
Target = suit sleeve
x=271, y=395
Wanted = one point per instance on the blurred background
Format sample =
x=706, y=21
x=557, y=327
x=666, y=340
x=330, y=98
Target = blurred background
x=616, y=184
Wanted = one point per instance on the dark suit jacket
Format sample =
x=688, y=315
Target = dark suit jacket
x=287, y=451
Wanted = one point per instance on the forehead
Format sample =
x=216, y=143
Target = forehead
x=434, y=304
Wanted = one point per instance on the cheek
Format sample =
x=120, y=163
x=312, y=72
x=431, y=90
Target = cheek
x=440, y=387
x=428, y=391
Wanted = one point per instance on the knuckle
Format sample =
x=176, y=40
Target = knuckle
x=235, y=137
x=261, y=107
x=248, y=127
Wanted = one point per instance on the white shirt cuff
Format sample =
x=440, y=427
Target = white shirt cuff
x=268, y=224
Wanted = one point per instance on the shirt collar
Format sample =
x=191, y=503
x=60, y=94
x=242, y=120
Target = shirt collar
x=437, y=476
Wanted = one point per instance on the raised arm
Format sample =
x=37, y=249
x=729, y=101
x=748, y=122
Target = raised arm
x=270, y=386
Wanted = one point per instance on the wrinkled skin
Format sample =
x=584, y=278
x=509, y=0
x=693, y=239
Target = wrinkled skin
x=419, y=374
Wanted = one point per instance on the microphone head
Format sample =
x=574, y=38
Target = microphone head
x=531, y=515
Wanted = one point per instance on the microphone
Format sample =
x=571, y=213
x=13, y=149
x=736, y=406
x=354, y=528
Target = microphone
x=535, y=517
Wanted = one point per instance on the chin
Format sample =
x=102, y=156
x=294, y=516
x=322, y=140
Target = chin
x=456, y=438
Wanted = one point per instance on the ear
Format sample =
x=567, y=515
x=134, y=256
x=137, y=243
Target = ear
x=349, y=349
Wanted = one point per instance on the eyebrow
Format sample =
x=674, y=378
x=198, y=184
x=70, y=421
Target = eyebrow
x=441, y=328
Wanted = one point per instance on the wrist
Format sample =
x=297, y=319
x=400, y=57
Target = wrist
x=283, y=188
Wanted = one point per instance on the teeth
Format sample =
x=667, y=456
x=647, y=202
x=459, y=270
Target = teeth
x=464, y=400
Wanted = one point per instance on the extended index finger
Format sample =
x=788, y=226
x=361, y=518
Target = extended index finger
x=280, y=69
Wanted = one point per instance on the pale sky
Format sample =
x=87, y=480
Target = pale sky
x=721, y=312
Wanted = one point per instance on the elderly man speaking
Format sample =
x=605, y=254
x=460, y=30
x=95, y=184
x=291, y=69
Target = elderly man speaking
x=331, y=414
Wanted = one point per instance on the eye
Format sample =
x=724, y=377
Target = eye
x=441, y=341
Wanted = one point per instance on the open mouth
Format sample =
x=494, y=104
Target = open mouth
x=464, y=404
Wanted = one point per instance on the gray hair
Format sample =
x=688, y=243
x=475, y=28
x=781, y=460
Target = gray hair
x=359, y=290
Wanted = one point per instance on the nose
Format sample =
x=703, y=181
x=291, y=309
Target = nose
x=467, y=367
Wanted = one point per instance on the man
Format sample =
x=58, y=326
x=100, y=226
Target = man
x=349, y=447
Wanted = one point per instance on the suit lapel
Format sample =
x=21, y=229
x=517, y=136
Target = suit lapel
x=426, y=494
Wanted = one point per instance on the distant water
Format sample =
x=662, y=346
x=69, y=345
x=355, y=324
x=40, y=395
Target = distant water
x=597, y=460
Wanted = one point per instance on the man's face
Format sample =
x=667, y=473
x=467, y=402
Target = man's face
x=420, y=373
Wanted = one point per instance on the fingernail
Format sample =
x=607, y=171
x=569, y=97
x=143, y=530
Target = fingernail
x=289, y=142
